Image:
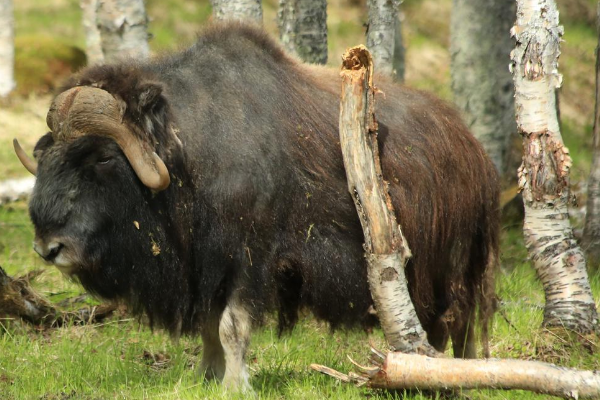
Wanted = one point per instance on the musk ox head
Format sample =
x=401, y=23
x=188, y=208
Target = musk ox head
x=90, y=198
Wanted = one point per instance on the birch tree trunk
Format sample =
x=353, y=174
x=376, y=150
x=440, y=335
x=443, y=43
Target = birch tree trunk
x=386, y=248
x=123, y=29
x=303, y=29
x=544, y=173
x=244, y=10
x=481, y=83
x=93, y=43
x=7, y=48
x=381, y=33
x=591, y=232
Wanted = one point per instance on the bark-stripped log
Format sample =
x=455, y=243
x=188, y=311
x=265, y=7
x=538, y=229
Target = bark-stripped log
x=413, y=371
x=303, y=29
x=93, y=43
x=7, y=48
x=386, y=249
x=591, y=232
x=544, y=173
x=123, y=29
x=243, y=10
x=381, y=33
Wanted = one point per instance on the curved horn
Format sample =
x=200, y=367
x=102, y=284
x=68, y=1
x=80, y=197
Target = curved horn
x=85, y=110
x=29, y=164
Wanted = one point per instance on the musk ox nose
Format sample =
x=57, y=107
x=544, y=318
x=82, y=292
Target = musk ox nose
x=48, y=251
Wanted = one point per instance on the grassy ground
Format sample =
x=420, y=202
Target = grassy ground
x=121, y=359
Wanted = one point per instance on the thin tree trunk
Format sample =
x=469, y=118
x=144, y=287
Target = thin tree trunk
x=381, y=33
x=544, y=174
x=7, y=48
x=386, y=249
x=244, y=10
x=123, y=29
x=93, y=43
x=399, y=53
x=481, y=83
x=591, y=232
x=303, y=29
x=413, y=371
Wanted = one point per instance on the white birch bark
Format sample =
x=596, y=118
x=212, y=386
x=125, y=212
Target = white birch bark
x=244, y=10
x=93, y=43
x=123, y=29
x=481, y=83
x=7, y=48
x=401, y=371
x=381, y=33
x=544, y=173
x=591, y=232
x=303, y=29
x=386, y=248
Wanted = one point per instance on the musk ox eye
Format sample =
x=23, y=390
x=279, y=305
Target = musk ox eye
x=104, y=160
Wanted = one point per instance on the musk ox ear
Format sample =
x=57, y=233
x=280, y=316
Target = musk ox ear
x=42, y=144
x=148, y=96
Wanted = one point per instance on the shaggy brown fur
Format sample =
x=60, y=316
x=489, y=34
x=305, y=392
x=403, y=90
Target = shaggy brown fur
x=258, y=205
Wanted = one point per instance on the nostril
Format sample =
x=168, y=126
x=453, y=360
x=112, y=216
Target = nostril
x=47, y=252
x=53, y=250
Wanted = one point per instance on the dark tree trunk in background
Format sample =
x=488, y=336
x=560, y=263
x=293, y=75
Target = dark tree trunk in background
x=591, y=232
x=399, y=53
x=481, y=83
x=303, y=29
x=544, y=174
x=7, y=48
x=93, y=43
x=244, y=10
x=123, y=29
x=382, y=32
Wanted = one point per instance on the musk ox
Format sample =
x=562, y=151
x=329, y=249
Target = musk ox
x=207, y=188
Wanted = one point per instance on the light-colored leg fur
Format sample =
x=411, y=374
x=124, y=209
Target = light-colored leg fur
x=234, y=332
x=212, y=365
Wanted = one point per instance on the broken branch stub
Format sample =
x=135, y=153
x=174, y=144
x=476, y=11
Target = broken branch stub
x=386, y=249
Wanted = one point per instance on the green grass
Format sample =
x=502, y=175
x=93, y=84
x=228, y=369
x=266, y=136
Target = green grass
x=114, y=360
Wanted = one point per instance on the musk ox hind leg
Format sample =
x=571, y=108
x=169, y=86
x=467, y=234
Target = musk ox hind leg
x=234, y=332
x=212, y=366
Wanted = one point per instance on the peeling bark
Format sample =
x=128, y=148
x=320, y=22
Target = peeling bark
x=244, y=10
x=412, y=371
x=123, y=29
x=481, y=83
x=381, y=33
x=544, y=173
x=93, y=43
x=303, y=29
x=7, y=48
x=591, y=232
x=386, y=249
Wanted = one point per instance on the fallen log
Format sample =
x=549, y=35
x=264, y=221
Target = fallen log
x=396, y=371
x=18, y=300
x=15, y=189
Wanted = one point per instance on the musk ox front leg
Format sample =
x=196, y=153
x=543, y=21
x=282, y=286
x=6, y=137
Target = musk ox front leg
x=234, y=332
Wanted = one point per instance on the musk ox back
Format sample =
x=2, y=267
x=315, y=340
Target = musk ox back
x=207, y=188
